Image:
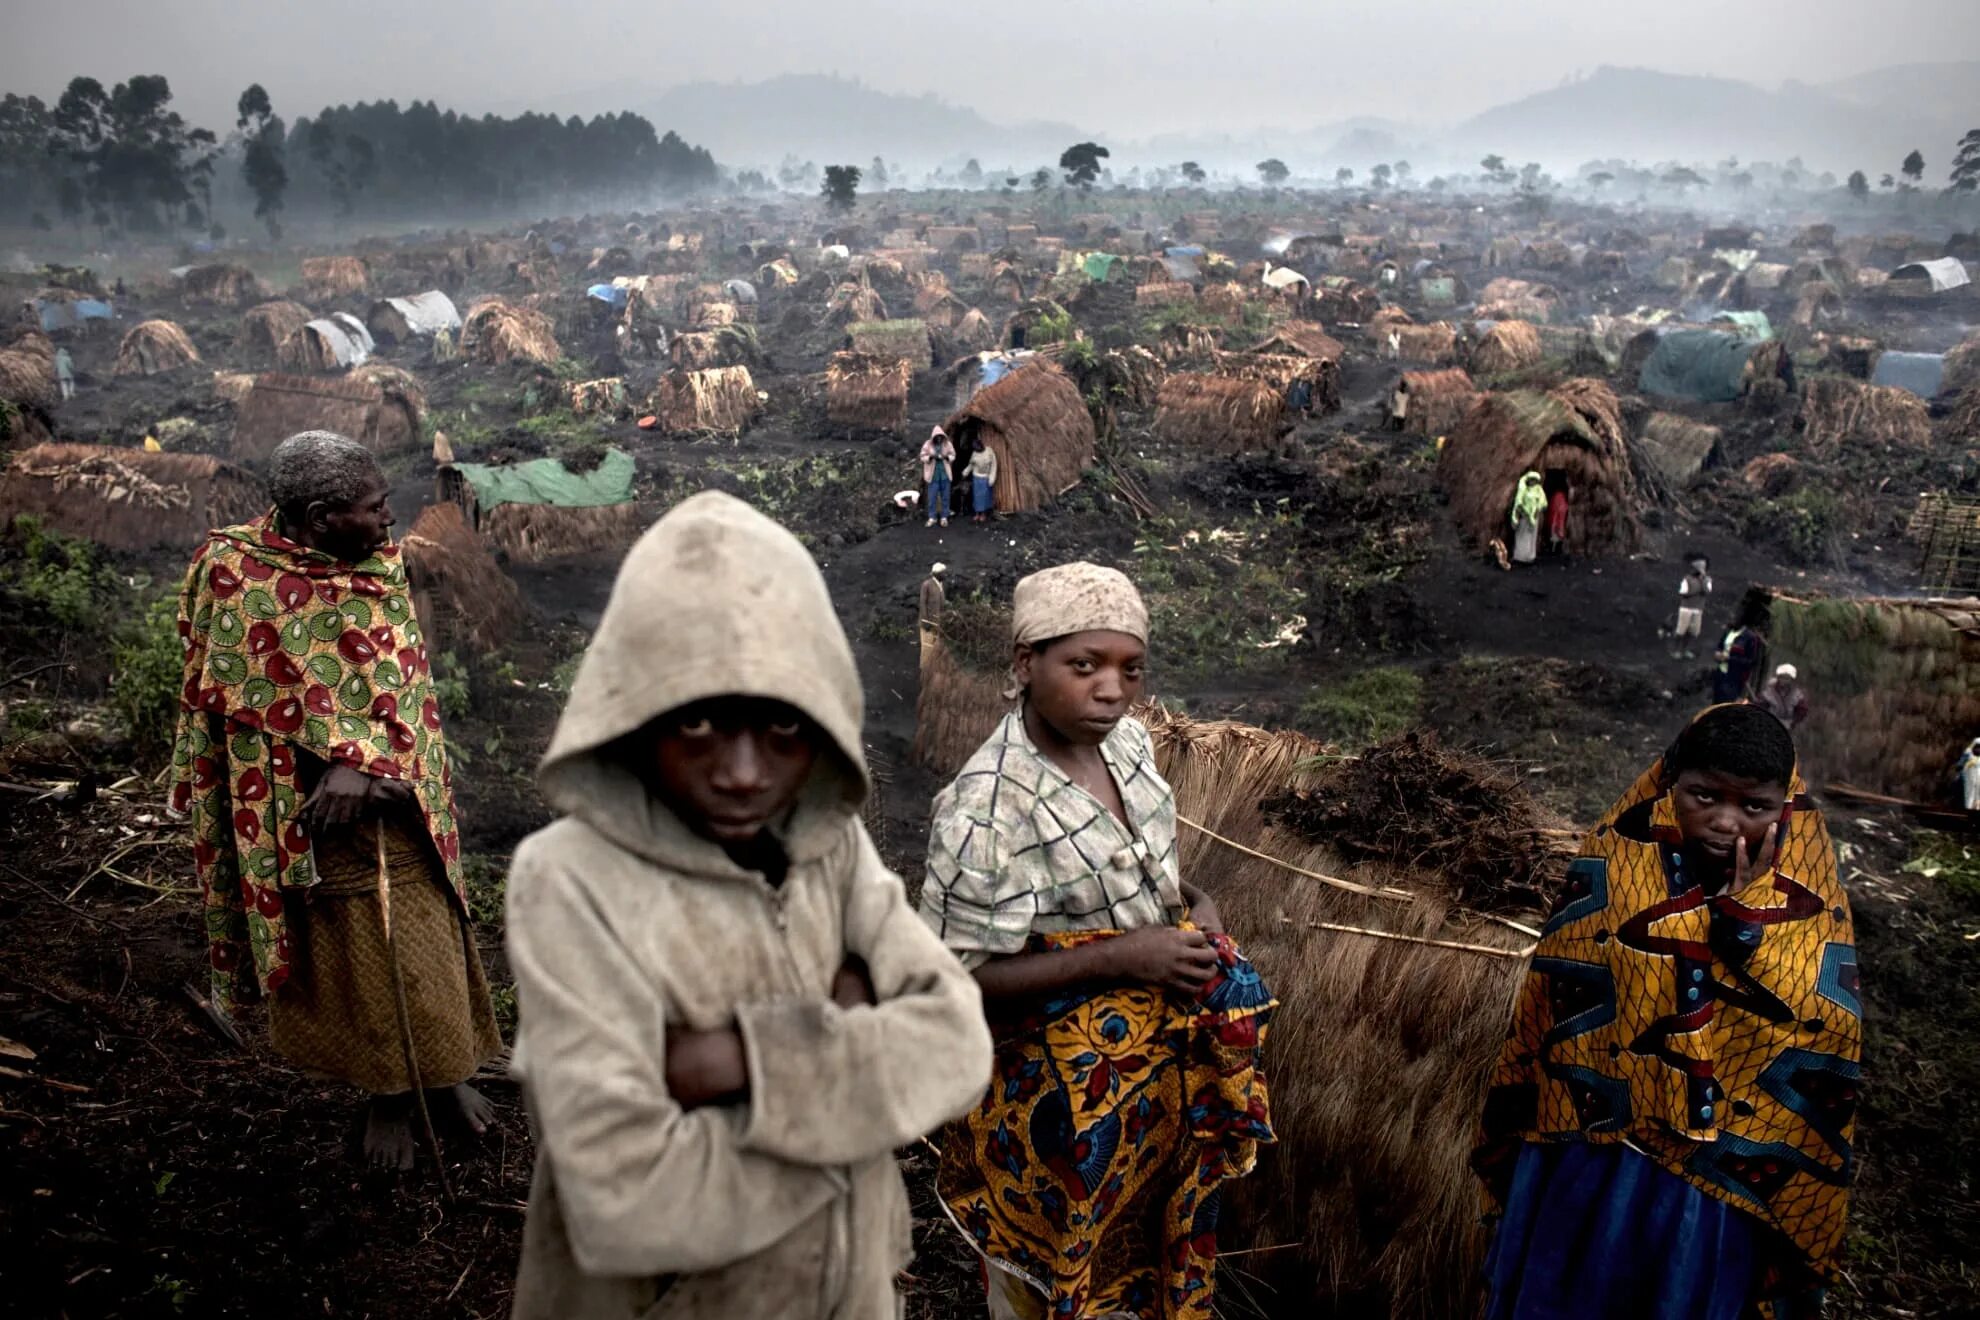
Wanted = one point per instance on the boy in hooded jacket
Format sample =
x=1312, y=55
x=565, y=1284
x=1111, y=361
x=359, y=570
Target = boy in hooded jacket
x=730, y=1016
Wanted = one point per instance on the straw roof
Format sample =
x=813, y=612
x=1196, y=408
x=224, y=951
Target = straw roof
x=1575, y=431
x=1678, y=447
x=1433, y=402
x=497, y=331
x=1507, y=346
x=904, y=340
x=281, y=405
x=1037, y=425
x=718, y=399
x=265, y=327
x=221, y=285
x=1220, y=414
x=1436, y=342
x=1836, y=410
x=461, y=595
x=128, y=499
x=852, y=303
x=334, y=277
x=27, y=371
x=1301, y=339
x=867, y=393
x=152, y=347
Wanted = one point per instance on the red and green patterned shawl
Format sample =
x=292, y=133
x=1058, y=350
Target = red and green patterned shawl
x=291, y=651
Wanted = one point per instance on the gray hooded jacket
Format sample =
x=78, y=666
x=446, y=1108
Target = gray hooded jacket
x=622, y=923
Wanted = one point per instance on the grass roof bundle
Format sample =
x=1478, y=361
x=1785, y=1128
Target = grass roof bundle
x=1280, y=370
x=1679, y=447
x=1899, y=685
x=851, y=303
x=1836, y=411
x=905, y=340
x=265, y=327
x=462, y=596
x=151, y=347
x=1433, y=402
x=27, y=371
x=128, y=499
x=1575, y=431
x=867, y=393
x=1036, y=423
x=716, y=400
x=1434, y=343
x=222, y=285
x=335, y=277
x=730, y=346
x=496, y=331
x=1220, y=414
x=1507, y=347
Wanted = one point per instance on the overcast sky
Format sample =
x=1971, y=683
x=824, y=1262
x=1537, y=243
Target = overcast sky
x=1129, y=68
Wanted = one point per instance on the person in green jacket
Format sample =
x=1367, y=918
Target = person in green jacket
x=1529, y=502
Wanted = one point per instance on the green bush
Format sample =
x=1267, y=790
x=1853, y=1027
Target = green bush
x=59, y=576
x=1366, y=707
x=150, y=668
x=1808, y=525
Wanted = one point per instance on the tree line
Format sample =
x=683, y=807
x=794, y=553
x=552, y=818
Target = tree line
x=121, y=159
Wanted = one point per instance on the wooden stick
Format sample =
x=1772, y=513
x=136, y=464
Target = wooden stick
x=1422, y=939
x=405, y=1018
x=20, y=1076
x=1399, y=895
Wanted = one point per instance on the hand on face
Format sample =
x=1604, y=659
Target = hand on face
x=1732, y=823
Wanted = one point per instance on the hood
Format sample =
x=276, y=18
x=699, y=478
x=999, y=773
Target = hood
x=1531, y=479
x=713, y=600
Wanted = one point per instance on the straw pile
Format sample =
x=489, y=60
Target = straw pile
x=1436, y=343
x=1899, y=682
x=1038, y=426
x=1433, y=402
x=1225, y=300
x=1164, y=293
x=461, y=595
x=1679, y=447
x=128, y=499
x=1835, y=410
x=334, y=277
x=27, y=371
x=718, y=400
x=1506, y=347
x=1946, y=529
x=1380, y=1051
x=1961, y=424
x=1220, y=414
x=223, y=286
x=532, y=533
x=867, y=393
x=152, y=347
x=264, y=328
x=905, y=341
x=496, y=331
x=605, y=397
x=731, y=346
x=1771, y=475
x=715, y=315
x=1575, y=430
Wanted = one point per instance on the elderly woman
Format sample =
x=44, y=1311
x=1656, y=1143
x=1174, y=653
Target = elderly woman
x=310, y=759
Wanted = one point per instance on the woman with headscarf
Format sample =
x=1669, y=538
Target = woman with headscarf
x=1128, y=1025
x=1529, y=503
x=1667, y=1134
x=938, y=458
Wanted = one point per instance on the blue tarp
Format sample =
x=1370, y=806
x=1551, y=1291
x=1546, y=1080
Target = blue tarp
x=1184, y=250
x=57, y=314
x=1921, y=373
x=993, y=371
x=1704, y=365
x=607, y=293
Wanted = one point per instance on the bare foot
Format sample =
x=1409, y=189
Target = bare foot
x=388, y=1134
x=472, y=1105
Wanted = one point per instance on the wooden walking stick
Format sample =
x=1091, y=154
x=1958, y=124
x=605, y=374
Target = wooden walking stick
x=405, y=1016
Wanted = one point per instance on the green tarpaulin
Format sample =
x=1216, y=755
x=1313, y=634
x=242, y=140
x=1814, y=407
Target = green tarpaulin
x=1440, y=291
x=546, y=481
x=1099, y=266
x=1748, y=325
x=1704, y=365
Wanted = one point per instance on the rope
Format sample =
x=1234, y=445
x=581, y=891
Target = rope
x=1424, y=939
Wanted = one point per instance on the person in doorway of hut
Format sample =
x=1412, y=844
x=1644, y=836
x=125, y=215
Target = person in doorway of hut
x=1740, y=654
x=1529, y=505
x=1557, y=521
x=731, y=1017
x=1667, y=1133
x=938, y=457
x=310, y=759
x=65, y=373
x=1693, y=588
x=1128, y=1026
x=1783, y=697
x=982, y=473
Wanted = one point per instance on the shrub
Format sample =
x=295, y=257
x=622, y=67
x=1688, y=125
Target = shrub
x=150, y=667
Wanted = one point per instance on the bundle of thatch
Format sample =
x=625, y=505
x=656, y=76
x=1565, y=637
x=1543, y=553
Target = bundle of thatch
x=1899, y=688
x=1220, y=414
x=461, y=595
x=1432, y=402
x=1506, y=347
x=1225, y=299
x=1962, y=366
x=223, y=286
x=1164, y=293
x=1771, y=475
x=1836, y=410
x=334, y=277
x=605, y=397
x=1434, y=343
x=1037, y=425
x=721, y=400
x=905, y=340
x=128, y=499
x=1679, y=447
x=1382, y=1046
x=266, y=327
x=280, y=405
x=972, y=334
x=851, y=303
x=497, y=331
x=27, y=371
x=867, y=393
x=152, y=347
x=730, y=346
x=1574, y=431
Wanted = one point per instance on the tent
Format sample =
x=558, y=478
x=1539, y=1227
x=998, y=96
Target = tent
x=1100, y=266
x=741, y=292
x=541, y=509
x=1747, y=325
x=1705, y=365
x=612, y=295
x=422, y=316
x=1939, y=275
x=330, y=343
x=59, y=313
x=1920, y=373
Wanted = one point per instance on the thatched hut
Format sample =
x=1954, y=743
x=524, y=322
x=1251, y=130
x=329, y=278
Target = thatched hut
x=939, y=308
x=27, y=371
x=867, y=393
x=1436, y=343
x=334, y=277
x=1037, y=425
x=1962, y=366
x=266, y=327
x=1836, y=411
x=1220, y=414
x=1005, y=285
x=1573, y=436
x=221, y=285
x=384, y=420
x=730, y=346
x=151, y=347
x=1507, y=346
x=906, y=341
x=1302, y=339
x=408, y=320
x=717, y=400
x=1316, y=380
x=1431, y=402
x=128, y=499
x=1164, y=294
x=461, y=595
x=851, y=303
x=1899, y=683
x=336, y=342
x=1337, y=298
x=1678, y=448
x=497, y=331
x=542, y=510
x=973, y=334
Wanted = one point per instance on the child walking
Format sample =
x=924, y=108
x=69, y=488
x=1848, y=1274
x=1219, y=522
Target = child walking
x=1668, y=1131
x=730, y=1016
x=1128, y=1026
x=938, y=457
x=1693, y=588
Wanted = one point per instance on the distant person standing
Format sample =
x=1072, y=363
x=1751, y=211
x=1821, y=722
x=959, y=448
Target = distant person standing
x=1557, y=521
x=982, y=473
x=1969, y=776
x=65, y=373
x=1529, y=503
x=933, y=597
x=1692, y=590
x=938, y=457
x=1739, y=656
x=1783, y=697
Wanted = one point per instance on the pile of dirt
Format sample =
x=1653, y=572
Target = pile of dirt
x=1413, y=803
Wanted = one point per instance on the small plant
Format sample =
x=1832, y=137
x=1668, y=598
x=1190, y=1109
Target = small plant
x=1949, y=862
x=486, y=882
x=1366, y=707
x=144, y=686
x=452, y=687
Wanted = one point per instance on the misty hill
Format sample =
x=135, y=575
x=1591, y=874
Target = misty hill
x=1944, y=91
x=1648, y=116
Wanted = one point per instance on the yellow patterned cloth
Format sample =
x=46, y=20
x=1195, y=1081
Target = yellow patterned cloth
x=1719, y=1035
x=1091, y=1169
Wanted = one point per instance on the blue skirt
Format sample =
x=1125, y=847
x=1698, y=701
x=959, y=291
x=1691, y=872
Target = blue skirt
x=1604, y=1231
x=980, y=494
